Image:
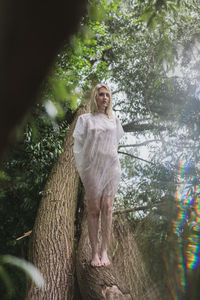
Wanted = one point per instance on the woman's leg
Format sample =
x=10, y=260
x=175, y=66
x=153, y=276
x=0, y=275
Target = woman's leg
x=106, y=223
x=93, y=226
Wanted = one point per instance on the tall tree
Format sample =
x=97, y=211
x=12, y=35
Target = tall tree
x=52, y=243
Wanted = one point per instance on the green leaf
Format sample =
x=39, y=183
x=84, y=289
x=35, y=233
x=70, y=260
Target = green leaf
x=3, y=176
x=59, y=90
x=27, y=267
x=147, y=15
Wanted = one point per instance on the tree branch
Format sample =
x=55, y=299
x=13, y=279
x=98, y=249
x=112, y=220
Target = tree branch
x=133, y=156
x=25, y=234
x=132, y=127
x=123, y=211
x=142, y=120
x=138, y=145
x=127, y=210
x=117, y=91
x=117, y=104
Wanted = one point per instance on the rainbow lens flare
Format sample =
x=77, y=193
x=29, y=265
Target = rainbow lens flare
x=186, y=228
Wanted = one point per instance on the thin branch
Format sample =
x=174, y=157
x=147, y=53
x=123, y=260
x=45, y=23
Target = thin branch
x=115, y=110
x=133, y=156
x=142, y=120
x=127, y=210
x=117, y=91
x=138, y=145
x=179, y=77
x=25, y=234
x=123, y=211
x=132, y=127
x=117, y=104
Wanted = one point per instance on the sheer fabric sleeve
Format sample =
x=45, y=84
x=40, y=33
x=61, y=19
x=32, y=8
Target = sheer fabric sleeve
x=79, y=136
x=119, y=130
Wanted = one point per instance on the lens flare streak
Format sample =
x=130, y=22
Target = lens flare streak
x=187, y=224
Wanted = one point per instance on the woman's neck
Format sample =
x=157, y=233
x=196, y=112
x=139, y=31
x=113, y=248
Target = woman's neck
x=101, y=111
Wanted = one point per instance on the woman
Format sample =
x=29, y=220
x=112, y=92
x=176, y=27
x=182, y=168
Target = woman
x=96, y=138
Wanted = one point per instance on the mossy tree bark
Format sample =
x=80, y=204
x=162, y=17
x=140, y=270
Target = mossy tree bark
x=52, y=241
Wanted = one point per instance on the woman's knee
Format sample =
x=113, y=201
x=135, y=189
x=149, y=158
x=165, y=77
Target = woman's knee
x=94, y=209
x=107, y=205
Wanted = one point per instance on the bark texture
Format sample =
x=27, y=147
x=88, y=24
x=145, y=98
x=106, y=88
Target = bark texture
x=125, y=279
x=52, y=242
x=31, y=34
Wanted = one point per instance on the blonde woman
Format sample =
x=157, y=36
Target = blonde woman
x=96, y=138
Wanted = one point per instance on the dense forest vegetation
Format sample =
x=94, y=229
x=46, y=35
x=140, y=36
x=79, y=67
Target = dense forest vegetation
x=148, y=52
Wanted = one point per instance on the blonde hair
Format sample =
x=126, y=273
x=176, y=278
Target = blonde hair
x=93, y=102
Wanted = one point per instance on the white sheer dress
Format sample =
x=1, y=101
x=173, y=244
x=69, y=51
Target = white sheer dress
x=96, y=139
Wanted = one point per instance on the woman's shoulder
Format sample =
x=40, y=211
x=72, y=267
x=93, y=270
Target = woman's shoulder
x=82, y=119
x=85, y=116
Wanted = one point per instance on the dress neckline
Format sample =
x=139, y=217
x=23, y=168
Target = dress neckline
x=105, y=116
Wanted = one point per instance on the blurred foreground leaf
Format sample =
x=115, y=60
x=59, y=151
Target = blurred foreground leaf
x=27, y=267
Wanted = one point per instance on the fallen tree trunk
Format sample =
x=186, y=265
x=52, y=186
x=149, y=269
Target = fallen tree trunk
x=126, y=278
x=52, y=244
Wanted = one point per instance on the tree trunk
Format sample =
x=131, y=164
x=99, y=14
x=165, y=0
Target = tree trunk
x=125, y=279
x=52, y=242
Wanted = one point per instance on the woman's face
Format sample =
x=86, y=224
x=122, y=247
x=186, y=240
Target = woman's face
x=103, y=99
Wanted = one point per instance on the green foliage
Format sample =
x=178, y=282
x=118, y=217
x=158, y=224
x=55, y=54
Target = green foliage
x=151, y=236
x=144, y=51
x=28, y=163
x=23, y=176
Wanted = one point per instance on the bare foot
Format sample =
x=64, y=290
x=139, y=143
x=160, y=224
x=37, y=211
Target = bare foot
x=104, y=259
x=95, y=262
